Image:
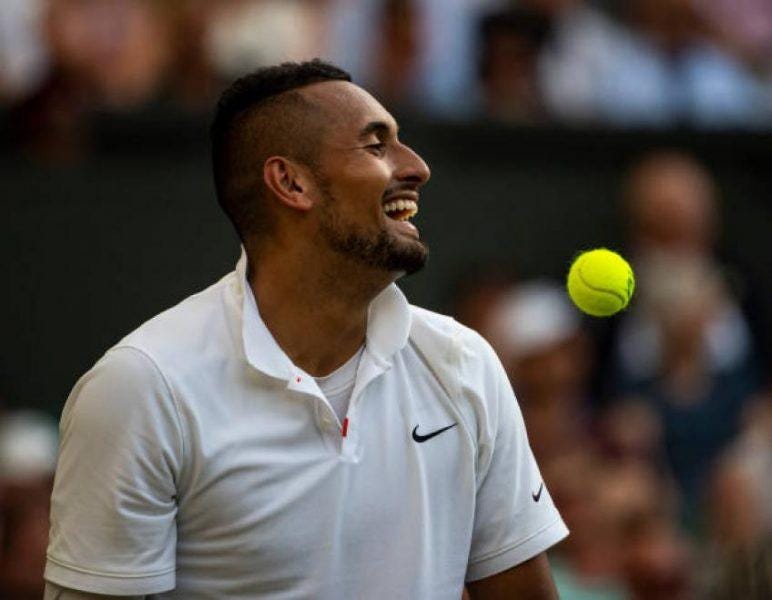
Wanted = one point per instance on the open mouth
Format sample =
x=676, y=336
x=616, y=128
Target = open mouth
x=401, y=210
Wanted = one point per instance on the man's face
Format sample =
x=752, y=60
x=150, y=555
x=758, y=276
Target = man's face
x=368, y=182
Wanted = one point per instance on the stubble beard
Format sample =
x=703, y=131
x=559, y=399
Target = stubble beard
x=383, y=251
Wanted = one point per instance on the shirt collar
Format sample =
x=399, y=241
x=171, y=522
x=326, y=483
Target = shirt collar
x=388, y=323
x=261, y=350
x=388, y=327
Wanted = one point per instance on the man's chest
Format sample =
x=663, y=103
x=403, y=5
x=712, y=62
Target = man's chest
x=274, y=491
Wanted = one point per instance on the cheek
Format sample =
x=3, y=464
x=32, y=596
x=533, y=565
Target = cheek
x=367, y=178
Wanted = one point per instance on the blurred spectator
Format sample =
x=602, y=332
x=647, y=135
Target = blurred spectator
x=659, y=67
x=738, y=557
x=654, y=556
x=740, y=500
x=631, y=430
x=586, y=564
x=744, y=26
x=671, y=206
x=663, y=63
x=105, y=54
x=396, y=54
x=191, y=77
x=243, y=35
x=117, y=49
x=684, y=346
x=23, y=54
x=743, y=574
x=436, y=72
x=28, y=448
x=577, y=58
x=476, y=296
x=670, y=71
x=511, y=42
x=539, y=338
x=624, y=541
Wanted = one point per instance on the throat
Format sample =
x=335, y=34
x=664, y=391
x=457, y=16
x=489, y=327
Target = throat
x=317, y=332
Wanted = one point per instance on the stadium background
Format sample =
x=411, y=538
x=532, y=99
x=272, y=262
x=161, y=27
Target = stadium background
x=533, y=116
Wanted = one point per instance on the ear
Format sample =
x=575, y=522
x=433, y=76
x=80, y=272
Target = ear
x=289, y=183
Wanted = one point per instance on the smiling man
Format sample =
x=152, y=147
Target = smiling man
x=298, y=430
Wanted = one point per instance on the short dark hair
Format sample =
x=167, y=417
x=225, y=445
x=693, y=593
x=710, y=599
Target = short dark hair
x=255, y=117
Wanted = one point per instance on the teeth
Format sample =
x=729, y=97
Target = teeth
x=409, y=207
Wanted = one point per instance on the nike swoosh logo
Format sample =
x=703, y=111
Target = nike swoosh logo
x=422, y=438
x=537, y=495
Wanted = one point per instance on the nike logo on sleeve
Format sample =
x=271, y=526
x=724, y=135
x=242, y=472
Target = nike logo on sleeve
x=537, y=495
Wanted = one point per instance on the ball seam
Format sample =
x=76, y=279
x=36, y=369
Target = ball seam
x=601, y=290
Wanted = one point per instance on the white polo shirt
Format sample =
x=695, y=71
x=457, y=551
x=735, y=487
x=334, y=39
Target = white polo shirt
x=197, y=461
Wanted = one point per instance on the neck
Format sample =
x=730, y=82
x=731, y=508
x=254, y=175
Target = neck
x=315, y=309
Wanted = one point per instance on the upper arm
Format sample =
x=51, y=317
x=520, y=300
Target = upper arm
x=113, y=505
x=515, y=518
x=530, y=580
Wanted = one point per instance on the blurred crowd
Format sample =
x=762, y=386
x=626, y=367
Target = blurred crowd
x=638, y=63
x=654, y=434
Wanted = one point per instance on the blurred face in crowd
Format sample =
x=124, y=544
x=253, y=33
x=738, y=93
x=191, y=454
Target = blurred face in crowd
x=119, y=48
x=671, y=206
x=575, y=483
x=654, y=558
x=556, y=372
x=366, y=182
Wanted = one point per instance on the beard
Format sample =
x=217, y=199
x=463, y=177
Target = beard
x=381, y=250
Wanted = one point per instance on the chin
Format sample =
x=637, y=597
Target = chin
x=408, y=258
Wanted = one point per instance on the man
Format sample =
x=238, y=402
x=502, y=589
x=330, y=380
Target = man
x=298, y=430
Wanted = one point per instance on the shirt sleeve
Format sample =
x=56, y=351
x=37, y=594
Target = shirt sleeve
x=515, y=518
x=113, y=505
x=55, y=592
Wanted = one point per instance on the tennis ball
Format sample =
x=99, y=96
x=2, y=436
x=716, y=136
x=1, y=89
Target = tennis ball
x=600, y=282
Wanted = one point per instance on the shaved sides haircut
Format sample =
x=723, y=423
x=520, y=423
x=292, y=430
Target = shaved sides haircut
x=261, y=115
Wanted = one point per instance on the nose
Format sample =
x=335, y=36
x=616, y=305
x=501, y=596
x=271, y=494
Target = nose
x=411, y=167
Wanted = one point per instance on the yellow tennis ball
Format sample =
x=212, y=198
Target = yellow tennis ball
x=600, y=282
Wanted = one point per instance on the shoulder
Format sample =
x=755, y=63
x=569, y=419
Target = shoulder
x=138, y=375
x=121, y=409
x=123, y=387
x=447, y=339
x=460, y=357
x=444, y=329
x=183, y=334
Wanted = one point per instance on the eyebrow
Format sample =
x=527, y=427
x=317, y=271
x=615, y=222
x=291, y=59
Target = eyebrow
x=377, y=127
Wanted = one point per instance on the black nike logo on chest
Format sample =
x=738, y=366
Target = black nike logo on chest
x=422, y=438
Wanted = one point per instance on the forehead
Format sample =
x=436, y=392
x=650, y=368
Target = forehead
x=348, y=109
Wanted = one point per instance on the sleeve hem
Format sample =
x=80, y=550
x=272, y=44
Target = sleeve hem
x=518, y=553
x=99, y=583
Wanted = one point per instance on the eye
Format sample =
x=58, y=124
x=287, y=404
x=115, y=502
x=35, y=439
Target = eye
x=377, y=149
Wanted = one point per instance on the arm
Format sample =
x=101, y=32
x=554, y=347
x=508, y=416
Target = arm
x=515, y=519
x=530, y=580
x=54, y=592
x=114, y=506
